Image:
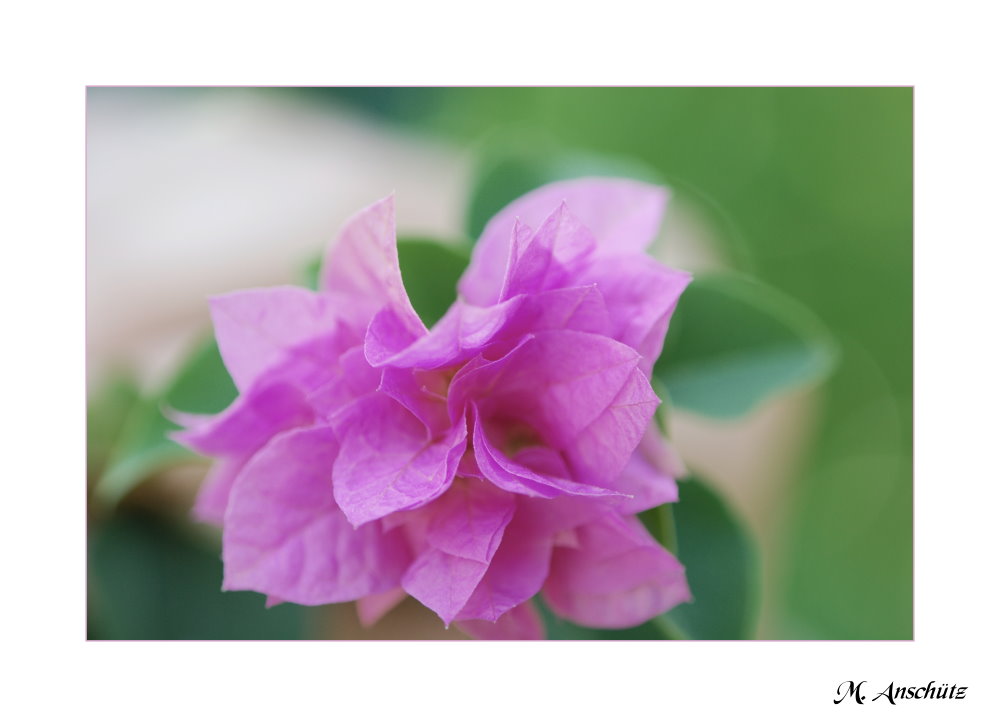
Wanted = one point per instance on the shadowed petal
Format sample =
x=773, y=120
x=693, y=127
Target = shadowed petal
x=213, y=497
x=617, y=577
x=372, y=608
x=521, y=623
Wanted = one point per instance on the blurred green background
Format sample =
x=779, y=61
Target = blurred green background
x=807, y=189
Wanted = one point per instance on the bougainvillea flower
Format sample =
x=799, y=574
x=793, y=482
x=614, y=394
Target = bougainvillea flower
x=502, y=454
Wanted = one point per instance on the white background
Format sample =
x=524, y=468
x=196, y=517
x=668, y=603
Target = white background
x=50, y=53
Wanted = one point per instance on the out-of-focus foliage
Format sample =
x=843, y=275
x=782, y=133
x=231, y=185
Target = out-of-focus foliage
x=140, y=444
x=149, y=579
x=734, y=342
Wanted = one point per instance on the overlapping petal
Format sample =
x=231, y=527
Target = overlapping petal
x=285, y=535
x=623, y=216
x=388, y=460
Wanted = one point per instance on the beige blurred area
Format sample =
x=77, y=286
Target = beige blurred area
x=197, y=192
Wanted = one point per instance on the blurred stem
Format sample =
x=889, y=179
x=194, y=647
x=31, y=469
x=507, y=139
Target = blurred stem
x=668, y=528
x=669, y=629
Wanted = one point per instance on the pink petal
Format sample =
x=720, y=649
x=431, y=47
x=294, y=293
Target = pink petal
x=256, y=328
x=554, y=257
x=213, y=497
x=250, y=421
x=515, y=477
x=285, y=536
x=617, y=577
x=557, y=382
x=443, y=582
x=422, y=392
x=648, y=474
x=372, y=608
x=623, y=216
x=466, y=329
x=363, y=265
x=388, y=461
x=469, y=520
x=640, y=296
x=521, y=623
x=600, y=452
x=349, y=380
x=516, y=573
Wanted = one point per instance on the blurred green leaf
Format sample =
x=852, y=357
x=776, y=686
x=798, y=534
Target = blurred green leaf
x=107, y=410
x=430, y=273
x=142, y=447
x=733, y=342
x=148, y=581
x=430, y=269
x=513, y=165
x=721, y=564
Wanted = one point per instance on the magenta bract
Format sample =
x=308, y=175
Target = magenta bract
x=502, y=454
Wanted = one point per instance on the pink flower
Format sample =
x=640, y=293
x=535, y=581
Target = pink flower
x=502, y=453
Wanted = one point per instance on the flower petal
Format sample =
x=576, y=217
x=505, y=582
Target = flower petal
x=256, y=328
x=515, y=574
x=648, y=475
x=554, y=257
x=467, y=329
x=640, y=295
x=515, y=477
x=623, y=216
x=285, y=536
x=388, y=461
x=557, y=382
x=599, y=453
x=469, y=520
x=443, y=582
x=250, y=421
x=372, y=608
x=213, y=497
x=521, y=623
x=617, y=577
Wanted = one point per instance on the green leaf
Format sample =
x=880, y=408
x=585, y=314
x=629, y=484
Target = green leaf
x=721, y=564
x=733, y=342
x=512, y=165
x=142, y=447
x=107, y=410
x=149, y=580
x=430, y=273
x=430, y=269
